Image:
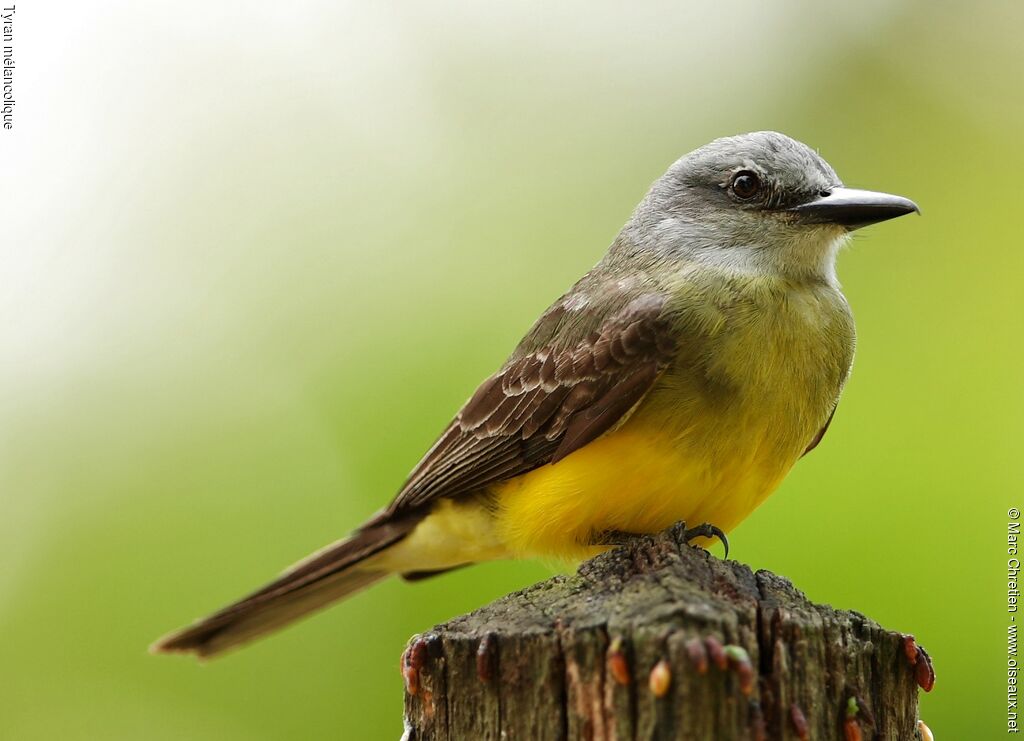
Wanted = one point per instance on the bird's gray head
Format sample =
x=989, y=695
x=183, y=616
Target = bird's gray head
x=756, y=202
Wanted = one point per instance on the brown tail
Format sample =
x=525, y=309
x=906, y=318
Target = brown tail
x=328, y=575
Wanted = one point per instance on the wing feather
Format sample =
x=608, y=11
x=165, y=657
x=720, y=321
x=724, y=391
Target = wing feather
x=546, y=403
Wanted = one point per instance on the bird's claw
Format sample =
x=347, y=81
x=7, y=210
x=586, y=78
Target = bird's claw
x=706, y=530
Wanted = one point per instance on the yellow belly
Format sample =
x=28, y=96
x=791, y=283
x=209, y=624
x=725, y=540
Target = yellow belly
x=640, y=478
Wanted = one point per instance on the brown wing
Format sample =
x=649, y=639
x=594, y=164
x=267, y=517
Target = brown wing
x=545, y=404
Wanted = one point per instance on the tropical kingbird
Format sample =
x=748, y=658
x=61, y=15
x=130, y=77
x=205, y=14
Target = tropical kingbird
x=680, y=379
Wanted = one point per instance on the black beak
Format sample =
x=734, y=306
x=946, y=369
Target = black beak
x=853, y=208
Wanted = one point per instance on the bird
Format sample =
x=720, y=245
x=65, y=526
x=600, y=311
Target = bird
x=680, y=379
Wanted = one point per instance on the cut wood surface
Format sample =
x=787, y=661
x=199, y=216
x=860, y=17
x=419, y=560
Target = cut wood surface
x=661, y=640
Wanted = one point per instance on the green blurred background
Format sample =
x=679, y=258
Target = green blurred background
x=255, y=255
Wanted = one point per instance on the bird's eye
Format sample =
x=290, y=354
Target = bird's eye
x=745, y=185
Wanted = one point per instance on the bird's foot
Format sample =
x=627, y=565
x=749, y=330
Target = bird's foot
x=620, y=537
x=706, y=530
x=615, y=538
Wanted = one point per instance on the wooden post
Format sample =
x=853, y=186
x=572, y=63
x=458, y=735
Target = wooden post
x=660, y=640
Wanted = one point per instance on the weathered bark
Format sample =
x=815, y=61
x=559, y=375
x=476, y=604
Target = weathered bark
x=573, y=658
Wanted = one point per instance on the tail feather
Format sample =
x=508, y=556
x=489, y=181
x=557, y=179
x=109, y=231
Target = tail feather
x=338, y=571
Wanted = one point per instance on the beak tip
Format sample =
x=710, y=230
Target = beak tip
x=910, y=206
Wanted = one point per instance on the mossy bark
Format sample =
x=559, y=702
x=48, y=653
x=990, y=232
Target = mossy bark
x=573, y=658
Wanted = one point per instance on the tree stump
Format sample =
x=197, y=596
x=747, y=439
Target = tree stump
x=661, y=640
